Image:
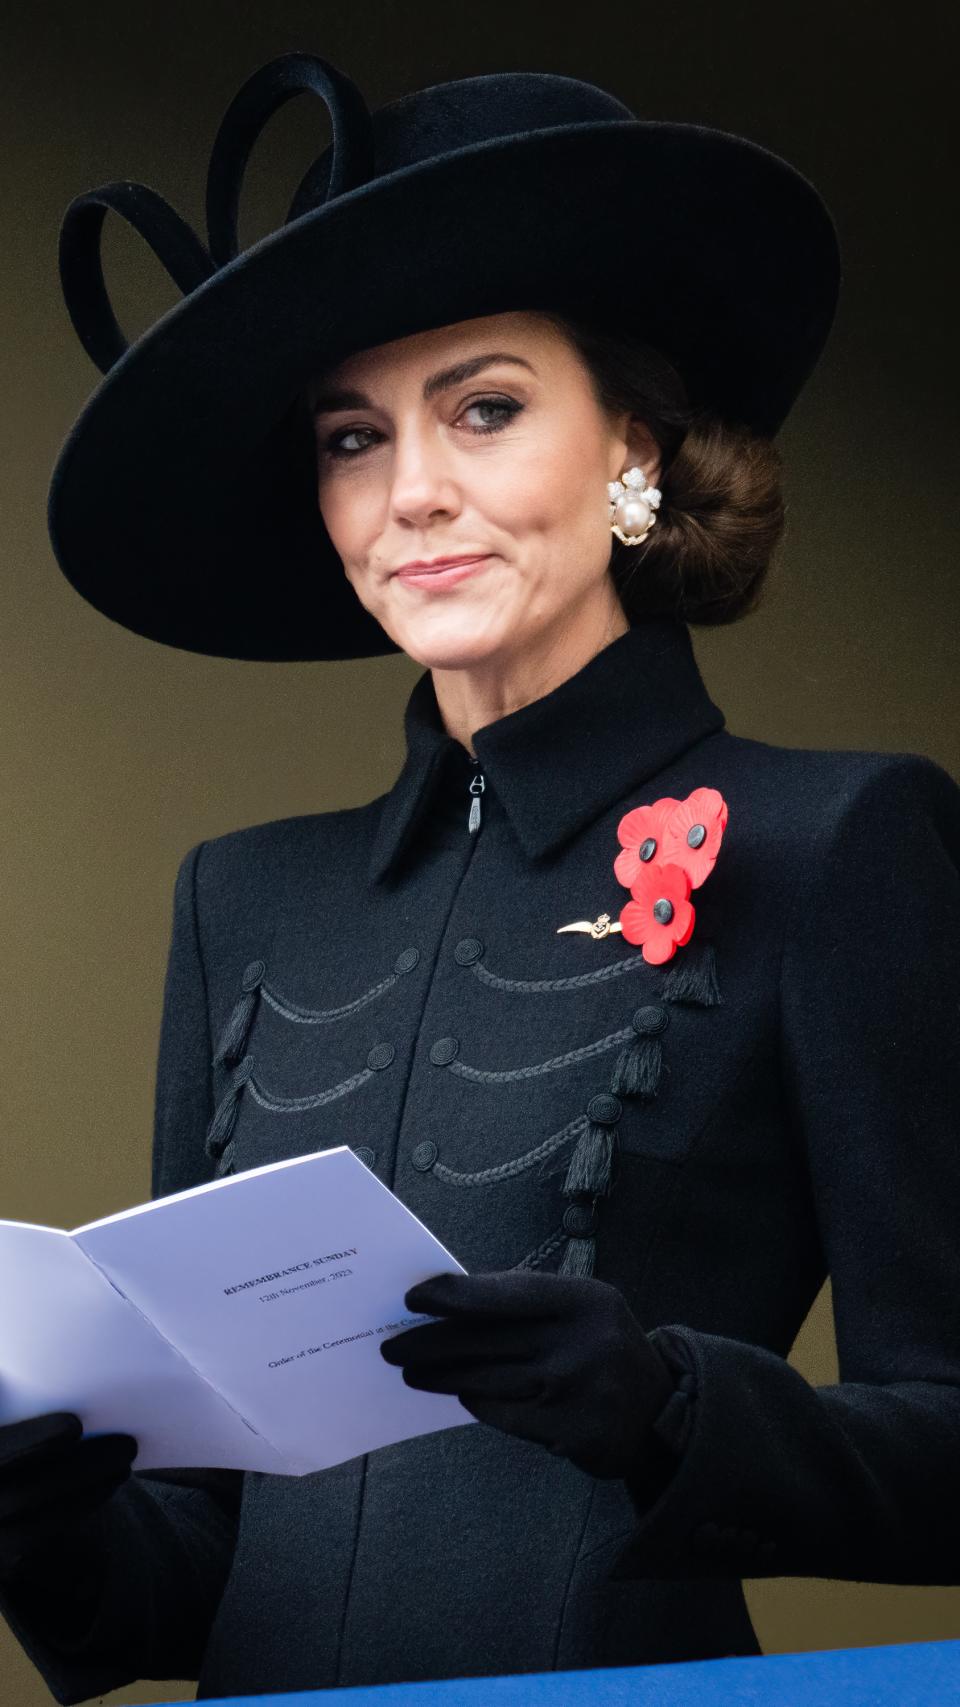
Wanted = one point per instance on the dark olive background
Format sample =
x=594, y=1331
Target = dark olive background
x=118, y=754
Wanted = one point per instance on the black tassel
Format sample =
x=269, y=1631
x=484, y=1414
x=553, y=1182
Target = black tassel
x=580, y=1224
x=220, y=1129
x=233, y=1040
x=589, y=1177
x=637, y=1072
x=693, y=978
x=579, y=1257
x=591, y=1165
x=221, y=1126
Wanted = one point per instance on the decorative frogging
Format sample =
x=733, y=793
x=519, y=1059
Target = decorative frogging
x=254, y=987
x=232, y=1056
x=636, y=1073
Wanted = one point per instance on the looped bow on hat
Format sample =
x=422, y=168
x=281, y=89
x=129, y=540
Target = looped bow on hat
x=172, y=240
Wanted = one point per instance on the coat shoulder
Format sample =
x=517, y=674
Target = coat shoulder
x=814, y=792
x=307, y=845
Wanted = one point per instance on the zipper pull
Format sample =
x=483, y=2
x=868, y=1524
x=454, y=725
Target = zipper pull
x=476, y=786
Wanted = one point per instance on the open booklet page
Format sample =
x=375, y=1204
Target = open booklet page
x=247, y=1334
x=70, y=1342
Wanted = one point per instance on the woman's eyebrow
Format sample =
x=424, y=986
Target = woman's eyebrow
x=326, y=402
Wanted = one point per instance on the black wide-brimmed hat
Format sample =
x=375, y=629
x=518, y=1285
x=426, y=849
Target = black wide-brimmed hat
x=183, y=502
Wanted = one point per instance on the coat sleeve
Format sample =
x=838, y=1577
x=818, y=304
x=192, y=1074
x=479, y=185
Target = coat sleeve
x=859, y=1480
x=166, y=1539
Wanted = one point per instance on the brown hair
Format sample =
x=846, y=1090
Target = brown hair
x=722, y=511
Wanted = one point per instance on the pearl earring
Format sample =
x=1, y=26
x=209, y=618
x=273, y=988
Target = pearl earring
x=631, y=515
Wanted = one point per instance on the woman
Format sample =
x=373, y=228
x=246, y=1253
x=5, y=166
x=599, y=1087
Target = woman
x=653, y=1025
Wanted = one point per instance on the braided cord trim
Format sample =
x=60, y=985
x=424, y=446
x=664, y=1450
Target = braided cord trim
x=546, y=1248
x=324, y=1016
x=506, y=1170
x=508, y=1075
x=294, y=1105
x=540, y=986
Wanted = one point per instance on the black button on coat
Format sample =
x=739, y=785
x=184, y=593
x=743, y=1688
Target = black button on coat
x=381, y=977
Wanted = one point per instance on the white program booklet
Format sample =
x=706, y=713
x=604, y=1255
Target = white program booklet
x=235, y=1325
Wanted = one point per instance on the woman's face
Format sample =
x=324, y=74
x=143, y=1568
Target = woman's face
x=482, y=439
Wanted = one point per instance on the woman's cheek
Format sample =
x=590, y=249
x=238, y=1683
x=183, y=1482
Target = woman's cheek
x=348, y=525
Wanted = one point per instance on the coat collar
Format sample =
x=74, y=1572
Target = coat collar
x=559, y=762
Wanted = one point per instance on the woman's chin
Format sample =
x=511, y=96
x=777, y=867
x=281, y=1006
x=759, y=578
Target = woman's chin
x=451, y=640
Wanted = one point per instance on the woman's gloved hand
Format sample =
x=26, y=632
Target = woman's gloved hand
x=51, y=1482
x=559, y=1359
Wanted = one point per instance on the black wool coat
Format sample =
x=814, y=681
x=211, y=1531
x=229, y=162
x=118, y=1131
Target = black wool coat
x=382, y=977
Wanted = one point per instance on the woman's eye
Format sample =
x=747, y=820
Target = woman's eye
x=506, y=407
x=336, y=446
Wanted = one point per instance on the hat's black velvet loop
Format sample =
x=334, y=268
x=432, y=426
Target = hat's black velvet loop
x=172, y=240
x=256, y=102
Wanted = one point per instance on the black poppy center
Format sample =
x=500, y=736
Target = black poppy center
x=663, y=911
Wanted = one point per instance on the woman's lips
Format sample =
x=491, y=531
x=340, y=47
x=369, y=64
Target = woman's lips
x=443, y=576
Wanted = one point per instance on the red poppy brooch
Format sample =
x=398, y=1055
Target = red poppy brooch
x=666, y=850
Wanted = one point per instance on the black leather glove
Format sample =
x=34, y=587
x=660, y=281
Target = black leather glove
x=559, y=1359
x=52, y=1484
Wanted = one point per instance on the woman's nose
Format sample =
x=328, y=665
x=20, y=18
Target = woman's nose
x=421, y=478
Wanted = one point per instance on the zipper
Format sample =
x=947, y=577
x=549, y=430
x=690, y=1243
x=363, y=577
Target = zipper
x=476, y=787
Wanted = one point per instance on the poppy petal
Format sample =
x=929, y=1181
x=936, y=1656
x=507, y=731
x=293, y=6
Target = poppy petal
x=626, y=866
x=635, y=826
x=686, y=924
x=706, y=808
x=659, y=948
x=635, y=922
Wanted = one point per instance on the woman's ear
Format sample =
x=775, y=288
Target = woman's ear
x=643, y=450
x=638, y=449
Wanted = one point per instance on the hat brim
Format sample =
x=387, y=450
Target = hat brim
x=183, y=502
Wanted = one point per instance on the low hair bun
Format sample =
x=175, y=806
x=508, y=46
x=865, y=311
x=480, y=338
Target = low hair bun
x=722, y=509
x=720, y=519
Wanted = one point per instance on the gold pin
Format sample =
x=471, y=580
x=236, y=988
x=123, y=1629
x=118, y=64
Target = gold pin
x=599, y=928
